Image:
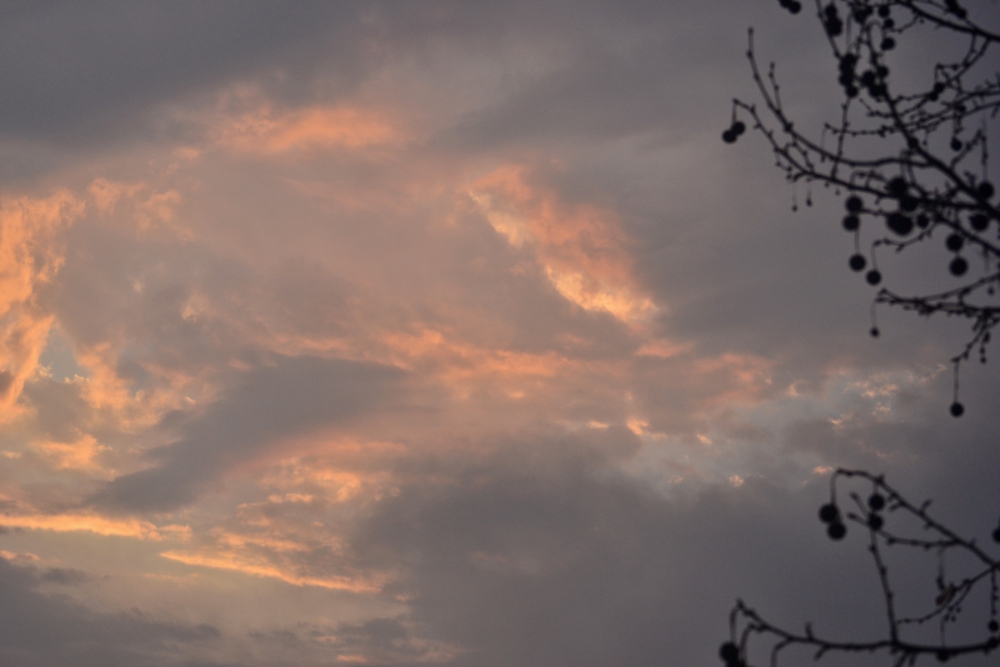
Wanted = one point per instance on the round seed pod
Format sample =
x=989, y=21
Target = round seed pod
x=836, y=530
x=829, y=513
x=876, y=502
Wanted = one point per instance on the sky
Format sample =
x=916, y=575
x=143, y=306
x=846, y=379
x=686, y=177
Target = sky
x=438, y=333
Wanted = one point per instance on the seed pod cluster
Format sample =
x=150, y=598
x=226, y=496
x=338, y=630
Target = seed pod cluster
x=876, y=503
x=730, y=654
x=831, y=20
x=830, y=515
x=734, y=131
x=911, y=157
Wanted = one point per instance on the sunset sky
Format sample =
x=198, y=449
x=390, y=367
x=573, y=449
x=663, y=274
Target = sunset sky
x=446, y=333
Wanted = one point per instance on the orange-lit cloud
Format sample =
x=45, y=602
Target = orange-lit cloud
x=160, y=209
x=79, y=455
x=664, y=349
x=265, y=130
x=26, y=558
x=112, y=398
x=259, y=567
x=465, y=359
x=743, y=378
x=30, y=256
x=93, y=523
x=236, y=541
x=581, y=247
x=104, y=389
x=148, y=210
x=106, y=194
x=462, y=366
x=331, y=481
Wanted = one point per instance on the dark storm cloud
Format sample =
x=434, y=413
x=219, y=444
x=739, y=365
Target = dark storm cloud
x=291, y=396
x=44, y=630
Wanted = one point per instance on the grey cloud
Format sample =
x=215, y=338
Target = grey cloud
x=309, y=299
x=558, y=566
x=714, y=236
x=290, y=396
x=78, y=73
x=620, y=83
x=131, y=291
x=489, y=279
x=352, y=270
x=60, y=409
x=6, y=380
x=600, y=72
x=42, y=630
x=545, y=556
x=385, y=640
x=623, y=76
x=117, y=287
x=380, y=640
x=64, y=576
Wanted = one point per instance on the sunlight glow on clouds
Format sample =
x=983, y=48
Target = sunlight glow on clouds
x=392, y=334
x=93, y=523
x=239, y=563
x=30, y=257
x=581, y=248
x=268, y=132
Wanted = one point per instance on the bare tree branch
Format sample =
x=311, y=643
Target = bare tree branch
x=913, y=164
x=954, y=589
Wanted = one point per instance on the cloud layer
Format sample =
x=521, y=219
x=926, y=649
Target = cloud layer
x=445, y=333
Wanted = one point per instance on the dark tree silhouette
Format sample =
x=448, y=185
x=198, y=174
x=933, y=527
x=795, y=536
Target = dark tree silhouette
x=966, y=581
x=912, y=157
x=912, y=160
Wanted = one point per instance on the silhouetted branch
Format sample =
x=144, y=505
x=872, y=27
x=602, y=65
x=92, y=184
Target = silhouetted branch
x=916, y=161
x=872, y=516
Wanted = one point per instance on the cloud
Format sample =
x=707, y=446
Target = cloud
x=70, y=522
x=45, y=630
x=441, y=332
x=268, y=132
x=582, y=249
x=69, y=81
x=63, y=576
x=287, y=397
x=31, y=254
x=236, y=563
x=541, y=554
